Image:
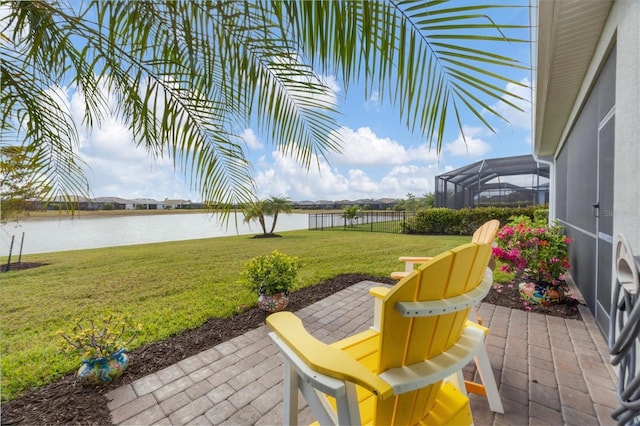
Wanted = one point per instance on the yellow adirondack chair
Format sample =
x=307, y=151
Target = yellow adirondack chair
x=394, y=372
x=486, y=233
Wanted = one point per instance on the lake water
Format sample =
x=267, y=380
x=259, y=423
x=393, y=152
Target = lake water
x=43, y=236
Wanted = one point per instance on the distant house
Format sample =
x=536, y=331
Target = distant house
x=386, y=203
x=304, y=205
x=73, y=202
x=149, y=204
x=178, y=204
x=587, y=127
x=116, y=203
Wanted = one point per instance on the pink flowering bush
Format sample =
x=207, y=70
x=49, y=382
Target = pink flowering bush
x=533, y=251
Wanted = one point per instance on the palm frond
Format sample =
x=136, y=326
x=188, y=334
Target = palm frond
x=418, y=54
x=187, y=77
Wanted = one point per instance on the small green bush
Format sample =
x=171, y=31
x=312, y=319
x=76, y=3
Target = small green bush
x=541, y=215
x=271, y=274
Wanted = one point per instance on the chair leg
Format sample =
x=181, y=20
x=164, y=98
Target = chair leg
x=290, y=408
x=488, y=380
x=348, y=410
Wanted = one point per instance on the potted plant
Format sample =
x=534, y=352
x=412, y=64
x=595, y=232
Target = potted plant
x=271, y=277
x=102, y=346
x=537, y=255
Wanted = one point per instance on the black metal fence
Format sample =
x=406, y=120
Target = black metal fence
x=387, y=221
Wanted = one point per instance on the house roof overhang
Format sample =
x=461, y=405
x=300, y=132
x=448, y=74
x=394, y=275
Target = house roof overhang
x=568, y=33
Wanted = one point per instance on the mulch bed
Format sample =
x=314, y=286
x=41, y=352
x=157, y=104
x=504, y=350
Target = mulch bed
x=507, y=295
x=17, y=266
x=66, y=402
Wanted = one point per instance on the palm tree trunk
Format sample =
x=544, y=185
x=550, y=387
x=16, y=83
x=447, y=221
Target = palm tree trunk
x=262, y=223
x=273, y=225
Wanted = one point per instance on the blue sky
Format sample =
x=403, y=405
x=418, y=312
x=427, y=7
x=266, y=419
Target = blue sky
x=380, y=157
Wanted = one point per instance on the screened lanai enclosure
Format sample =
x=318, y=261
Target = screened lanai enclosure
x=509, y=181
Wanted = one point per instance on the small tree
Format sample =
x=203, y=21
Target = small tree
x=255, y=211
x=275, y=205
x=411, y=204
x=351, y=214
x=17, y=183
x=428, y=201
x=272, y=206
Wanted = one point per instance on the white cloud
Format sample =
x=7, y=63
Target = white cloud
x=251, y=139
x=112, y=142
x=117, y=167
x=373, y=102
x=422, y=153
x=270, y=183
x=361, y=183
x=368, y=167
x=470, y=145
x=331, y=82
x=518, y=119
x=363, y=147
x=286, y=177
x=410, y=178
x=330, y=94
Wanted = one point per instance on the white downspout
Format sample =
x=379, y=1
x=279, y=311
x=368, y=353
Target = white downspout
x=552, y=187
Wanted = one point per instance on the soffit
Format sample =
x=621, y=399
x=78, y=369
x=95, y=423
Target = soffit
x=568, y=33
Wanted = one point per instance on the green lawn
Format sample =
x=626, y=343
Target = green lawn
x=167, y=287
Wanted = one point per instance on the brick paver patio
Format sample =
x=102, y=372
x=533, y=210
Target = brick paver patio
x=549, y=371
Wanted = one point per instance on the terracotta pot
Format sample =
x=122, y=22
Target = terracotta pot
x=104, y=370
x=273, y=302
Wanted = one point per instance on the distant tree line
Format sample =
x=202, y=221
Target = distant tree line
x=414, y=204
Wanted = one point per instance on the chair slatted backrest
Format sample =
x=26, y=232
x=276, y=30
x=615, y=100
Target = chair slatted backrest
x=487, y=232
x=408, y=340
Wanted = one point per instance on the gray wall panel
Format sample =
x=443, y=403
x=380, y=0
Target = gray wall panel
x=582, y=257
x=606, y=87
x=582, y=168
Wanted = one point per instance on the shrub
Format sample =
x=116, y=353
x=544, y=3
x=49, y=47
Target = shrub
x=99, y=339
x=271, y=274
x=443, y=221
x=533, y=250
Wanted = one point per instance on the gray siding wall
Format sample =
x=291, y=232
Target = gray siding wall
x=584, y=178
